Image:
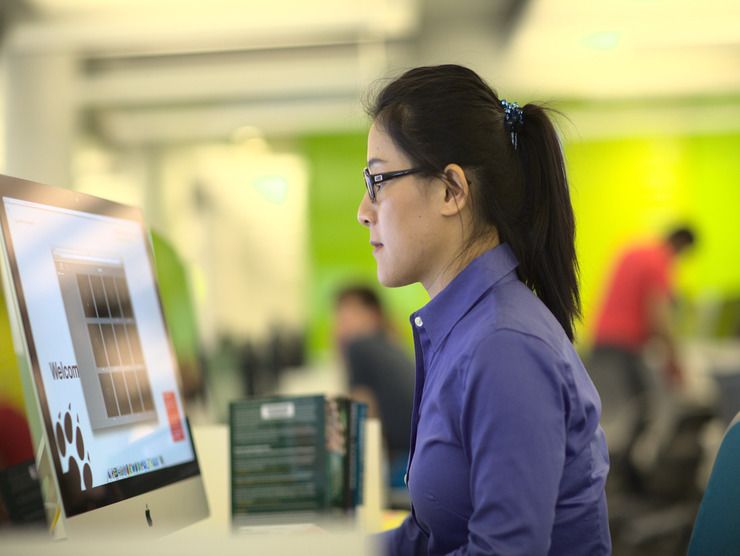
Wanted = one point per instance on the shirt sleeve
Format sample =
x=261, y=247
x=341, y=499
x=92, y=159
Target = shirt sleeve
x=513, y=424
x=405, y=540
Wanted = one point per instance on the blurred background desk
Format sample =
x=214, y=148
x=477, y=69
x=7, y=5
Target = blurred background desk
x=713, y=373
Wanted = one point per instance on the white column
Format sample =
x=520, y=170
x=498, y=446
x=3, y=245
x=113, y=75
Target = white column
x=40, y=115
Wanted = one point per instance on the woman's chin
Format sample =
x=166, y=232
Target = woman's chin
x=390, y=280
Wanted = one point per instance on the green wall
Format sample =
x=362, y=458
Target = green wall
x=622, y=189
x=632, y=188
x=179, y=311
x=339, y=249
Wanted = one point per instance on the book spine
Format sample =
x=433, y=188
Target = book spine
x=351, y=469
x=360, y=450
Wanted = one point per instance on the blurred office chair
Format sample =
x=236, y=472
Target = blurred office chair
x=655, y=453
x=625, y=410
x=716, y=528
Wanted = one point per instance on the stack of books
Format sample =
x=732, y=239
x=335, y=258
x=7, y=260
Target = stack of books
x=296, y=457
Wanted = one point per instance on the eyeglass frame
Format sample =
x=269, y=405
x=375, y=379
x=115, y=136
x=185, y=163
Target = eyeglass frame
x=371, y=180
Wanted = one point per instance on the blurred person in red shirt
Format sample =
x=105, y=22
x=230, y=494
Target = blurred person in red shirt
x=637, y=306
x=636, y=310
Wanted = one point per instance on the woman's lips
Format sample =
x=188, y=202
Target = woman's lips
x=376, y=246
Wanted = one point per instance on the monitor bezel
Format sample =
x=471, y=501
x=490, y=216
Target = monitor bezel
x=78, y=503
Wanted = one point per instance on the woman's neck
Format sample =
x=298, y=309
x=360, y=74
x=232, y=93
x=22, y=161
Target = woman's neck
x=458, y=262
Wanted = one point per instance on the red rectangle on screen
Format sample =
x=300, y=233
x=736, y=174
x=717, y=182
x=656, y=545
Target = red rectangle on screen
x=173, y=416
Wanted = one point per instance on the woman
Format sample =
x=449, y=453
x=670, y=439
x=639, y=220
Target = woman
x=467, y=194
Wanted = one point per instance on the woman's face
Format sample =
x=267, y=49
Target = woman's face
x=404, y=226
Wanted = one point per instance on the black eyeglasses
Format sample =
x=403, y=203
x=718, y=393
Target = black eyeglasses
x=373, y=180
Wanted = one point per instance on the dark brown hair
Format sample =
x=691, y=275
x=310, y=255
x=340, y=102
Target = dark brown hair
x=447, y=114
x=681, y=238
x=365, y=295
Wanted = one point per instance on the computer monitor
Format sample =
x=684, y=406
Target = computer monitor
x=80, y=285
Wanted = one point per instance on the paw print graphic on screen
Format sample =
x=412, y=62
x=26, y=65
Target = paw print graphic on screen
x=75, y=461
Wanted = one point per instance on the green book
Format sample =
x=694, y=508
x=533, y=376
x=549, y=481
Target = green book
x=278, y=460
x=294, y=456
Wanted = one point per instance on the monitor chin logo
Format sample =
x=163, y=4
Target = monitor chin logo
x=71, y=448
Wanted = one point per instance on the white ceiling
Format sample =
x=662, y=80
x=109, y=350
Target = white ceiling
x=173, y=70
x=628, y=48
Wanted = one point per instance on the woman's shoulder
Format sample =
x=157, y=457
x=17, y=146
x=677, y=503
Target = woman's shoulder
x=509, y=328
x=512, y=313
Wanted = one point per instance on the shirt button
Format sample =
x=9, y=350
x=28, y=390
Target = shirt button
x=418, y=321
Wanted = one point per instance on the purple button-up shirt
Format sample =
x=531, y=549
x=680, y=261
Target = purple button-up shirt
x=507, y=456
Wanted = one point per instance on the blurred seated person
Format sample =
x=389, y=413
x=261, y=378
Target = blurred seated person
x=380, y=373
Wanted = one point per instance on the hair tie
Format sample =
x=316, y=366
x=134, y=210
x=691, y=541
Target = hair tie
x=513, y=119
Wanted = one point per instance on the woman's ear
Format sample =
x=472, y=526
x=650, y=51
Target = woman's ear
x=457, y=190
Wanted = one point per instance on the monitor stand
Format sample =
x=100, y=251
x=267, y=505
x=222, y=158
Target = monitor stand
x=49, y=491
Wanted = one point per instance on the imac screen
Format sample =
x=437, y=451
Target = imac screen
x=103, y=365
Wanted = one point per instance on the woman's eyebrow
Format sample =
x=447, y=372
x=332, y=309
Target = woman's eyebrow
x=374, y=161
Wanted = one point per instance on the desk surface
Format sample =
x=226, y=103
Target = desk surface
x=212, y=447
x=214, y=535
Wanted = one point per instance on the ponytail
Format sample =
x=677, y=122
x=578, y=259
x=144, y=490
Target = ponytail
x=543, y=238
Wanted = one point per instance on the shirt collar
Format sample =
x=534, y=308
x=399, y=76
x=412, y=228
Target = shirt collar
x=448, y=307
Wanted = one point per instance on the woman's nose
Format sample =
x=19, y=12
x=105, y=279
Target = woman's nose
x=366, y=211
